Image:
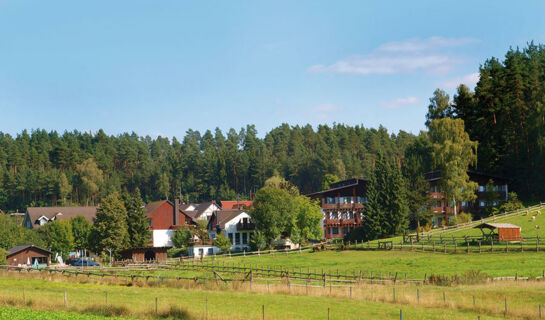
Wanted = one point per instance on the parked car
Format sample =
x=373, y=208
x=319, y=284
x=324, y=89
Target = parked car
x=85, y=263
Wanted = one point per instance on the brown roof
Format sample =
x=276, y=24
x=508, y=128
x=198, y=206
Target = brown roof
x=61, y=213
x=224, y=216
x=20, y=248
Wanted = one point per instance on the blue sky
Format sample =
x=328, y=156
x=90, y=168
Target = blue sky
x=162, y=67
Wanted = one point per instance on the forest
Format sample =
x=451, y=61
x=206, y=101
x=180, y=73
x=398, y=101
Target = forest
x=505, y=114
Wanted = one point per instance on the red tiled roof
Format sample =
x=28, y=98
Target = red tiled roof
x=231, y=205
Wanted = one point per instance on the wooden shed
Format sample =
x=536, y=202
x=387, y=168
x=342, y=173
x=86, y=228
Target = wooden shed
x=506, y=231
x=28, y=255
x=145, y=254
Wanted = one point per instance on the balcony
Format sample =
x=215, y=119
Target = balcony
x=342, y=205
x=242, y=226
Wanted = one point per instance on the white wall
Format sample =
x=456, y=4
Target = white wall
x=162, y=238
x=231, y=227
x=194, y=251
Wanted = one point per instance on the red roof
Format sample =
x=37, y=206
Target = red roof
x=233, y=205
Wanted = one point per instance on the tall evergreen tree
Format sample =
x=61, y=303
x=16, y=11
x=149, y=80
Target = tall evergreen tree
x=137, y=220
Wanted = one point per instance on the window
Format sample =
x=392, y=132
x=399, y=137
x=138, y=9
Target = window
x=464, y=204
x=330, y=200
x=341, y=200
x=334, y=215
x=345, y=230
x=201, y=251
x=482, y=204
x=348, y=199
x=434, y=188
x=495, y=203
x=231, y=238
x=210, y=251
x=362, y=200
x=481, y=188
x=335, y=230
x=237, y=238
x=345, y=215
x=244, y=238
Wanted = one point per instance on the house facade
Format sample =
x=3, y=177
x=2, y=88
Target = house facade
x=165, y=218
x=342, y=206
x=36, y=217
x=28, y=255
x=236, y=225
x=444, y=210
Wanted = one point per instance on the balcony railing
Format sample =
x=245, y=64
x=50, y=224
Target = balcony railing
x=245, y=226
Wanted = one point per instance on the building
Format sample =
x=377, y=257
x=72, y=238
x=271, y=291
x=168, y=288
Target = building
x=506, y=231
x=36, y=217
x=343, y=206
x=165, y=218
x=443, y=209
x=145, y=254
x=235, y=225
x=28, y=255
x=200, y=211
x=240, y=205
x=202, y=250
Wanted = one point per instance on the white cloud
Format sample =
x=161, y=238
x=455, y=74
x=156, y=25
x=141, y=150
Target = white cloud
x=324, y=111
x=469, y=80
x=400, y=102
x=328, y=108
x=400, y=57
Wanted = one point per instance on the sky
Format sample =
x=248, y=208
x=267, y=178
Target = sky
x=163, y=67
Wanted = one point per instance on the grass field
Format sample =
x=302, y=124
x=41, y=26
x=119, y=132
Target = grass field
x=415, y=264
x=25, y=314
x=367, y=302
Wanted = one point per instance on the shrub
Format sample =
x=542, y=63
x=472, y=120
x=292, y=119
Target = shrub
x=464, y=218
x=222, y=242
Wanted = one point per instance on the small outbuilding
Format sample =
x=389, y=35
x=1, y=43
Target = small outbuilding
x=145, y=254
x=28, y=254
x=506, y=231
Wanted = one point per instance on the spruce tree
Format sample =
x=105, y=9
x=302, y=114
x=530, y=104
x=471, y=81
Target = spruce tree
x=137, y=220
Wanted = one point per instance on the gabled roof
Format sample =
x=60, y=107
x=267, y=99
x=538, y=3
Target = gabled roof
x=224, y=216
x=229, y=205
x=61, y=213
x=152, y=206
x=20, y=248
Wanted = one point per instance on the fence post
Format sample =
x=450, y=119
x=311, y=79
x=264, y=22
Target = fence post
x=539, y=311
x=505, y=306
x=394, y=294
x=24, y=298
x=418, y=295
x=479, y=246
x=444, y=297
x=433, y=245
x=65, y=299
x=537, y=243
x=474, y=301
x=506, y=246
x=400, y=314
x=327, y=313
x=521, y=241
x=157, y=303
x=467, y=246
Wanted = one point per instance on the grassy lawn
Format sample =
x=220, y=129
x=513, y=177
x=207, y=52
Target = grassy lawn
x=415, y=264
x=368, y=302
x=25, y=314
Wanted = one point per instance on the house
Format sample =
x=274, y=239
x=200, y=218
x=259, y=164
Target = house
x=28, y=255
x=36, y=217
x=240, y=205
x=343, y=206
x=201, y=211
x=236, y=225
x=145, y=254
x=443, y=209
x=165, y=218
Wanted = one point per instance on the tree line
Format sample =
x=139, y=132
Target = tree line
x=41, y=168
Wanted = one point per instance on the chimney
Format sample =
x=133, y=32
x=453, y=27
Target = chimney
x=177, y=212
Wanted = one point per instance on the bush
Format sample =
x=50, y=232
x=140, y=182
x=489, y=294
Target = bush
x=3, y=254
x=464, y=218
x=175, y=252
x=258, y=241
x=222, y=242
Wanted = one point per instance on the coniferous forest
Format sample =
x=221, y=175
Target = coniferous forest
x=505, y=114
